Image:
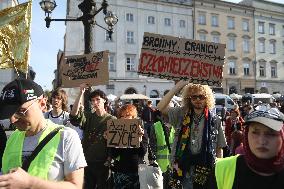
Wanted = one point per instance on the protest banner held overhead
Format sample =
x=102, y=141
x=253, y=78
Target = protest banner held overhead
x=123, y=133
x=89, y=68
x=176, y=58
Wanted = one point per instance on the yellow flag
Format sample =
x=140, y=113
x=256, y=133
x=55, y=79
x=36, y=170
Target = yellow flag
x=15, y=24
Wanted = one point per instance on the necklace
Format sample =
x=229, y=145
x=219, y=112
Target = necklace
x=195, y=131
x=196, y=119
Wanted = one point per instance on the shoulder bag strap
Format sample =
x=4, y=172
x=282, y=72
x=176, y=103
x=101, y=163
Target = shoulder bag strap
x=39, y=147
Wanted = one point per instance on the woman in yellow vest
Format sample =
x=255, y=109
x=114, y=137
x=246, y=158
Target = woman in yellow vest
x=262, y=165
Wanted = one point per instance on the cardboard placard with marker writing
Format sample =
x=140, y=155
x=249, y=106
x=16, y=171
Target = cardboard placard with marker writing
x=88, y=68
x=123, y=133
x=176, y=58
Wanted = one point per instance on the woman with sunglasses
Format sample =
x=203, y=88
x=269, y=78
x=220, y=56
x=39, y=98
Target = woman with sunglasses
x=262, y=165
x=199, y=136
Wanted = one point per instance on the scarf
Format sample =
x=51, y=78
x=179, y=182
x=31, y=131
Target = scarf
x=272, y=165
x=184, y=138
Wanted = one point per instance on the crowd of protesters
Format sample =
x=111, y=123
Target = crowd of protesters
x=193, y=146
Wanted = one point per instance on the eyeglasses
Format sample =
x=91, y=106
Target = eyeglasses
x=23, y=113
x=200, y=97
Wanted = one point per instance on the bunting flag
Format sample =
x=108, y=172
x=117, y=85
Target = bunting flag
x=15, y=23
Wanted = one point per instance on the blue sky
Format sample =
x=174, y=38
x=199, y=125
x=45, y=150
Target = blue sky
x=45, y=42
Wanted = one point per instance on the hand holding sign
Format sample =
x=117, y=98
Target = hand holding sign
x=124, y=133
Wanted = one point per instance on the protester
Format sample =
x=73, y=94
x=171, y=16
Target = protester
x=147, y=116
x=200, y=138
x=94, y=124
x=262, y=165
x=126, y=168
x=233, y=123
x=60, y=162
x=161, y=141
x=59, y=113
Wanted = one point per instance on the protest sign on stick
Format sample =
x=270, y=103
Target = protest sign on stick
x=178, y=58
x=123, y=133
x=88, y=68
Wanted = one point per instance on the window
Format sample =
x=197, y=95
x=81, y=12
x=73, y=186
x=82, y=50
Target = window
x=129, y=17
x=216, y=39
x=151, y=20
x=130, y=63
x=107, y=38
x=246, y=68
x=182, y=23
x=262, y=70
x=167, y=22
x=214, y=20
x=273, y=70
x=232, y=43
x=202, y=18
x=261, y=46
x=231, y=22
x=111, y=63
x=245, y=25
x=260, y=27
x=272, y=46
x=202, y=36
x=271, y=29
x=232, y=67
x=130, y=37
x=246, y=46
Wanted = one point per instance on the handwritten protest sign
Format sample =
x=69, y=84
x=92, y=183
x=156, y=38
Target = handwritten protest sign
x=88, y=68
x=178, y=58
x=123, y=133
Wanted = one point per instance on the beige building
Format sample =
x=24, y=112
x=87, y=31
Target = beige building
x=231, y=24
x=269, y=46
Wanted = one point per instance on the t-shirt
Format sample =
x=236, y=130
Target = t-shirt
x=245, y=178
x=176, y=115
x=94, y=143
x=62, y=119
x=69, y=156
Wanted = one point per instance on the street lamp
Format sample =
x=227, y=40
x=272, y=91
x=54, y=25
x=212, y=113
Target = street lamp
x=89, y=9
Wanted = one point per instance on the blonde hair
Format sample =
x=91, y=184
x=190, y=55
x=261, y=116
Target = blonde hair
x=191, y=89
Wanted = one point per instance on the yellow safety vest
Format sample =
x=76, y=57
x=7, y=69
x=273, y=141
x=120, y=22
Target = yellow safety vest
x=163, y=155
x=225, y=172
x=39, y=167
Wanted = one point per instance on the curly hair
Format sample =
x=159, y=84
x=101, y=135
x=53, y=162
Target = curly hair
x=191, y=89
x=63, y=96
x=128, y=110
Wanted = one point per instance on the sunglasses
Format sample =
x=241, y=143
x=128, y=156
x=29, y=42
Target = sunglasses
x=200, y=97
x=23, y=113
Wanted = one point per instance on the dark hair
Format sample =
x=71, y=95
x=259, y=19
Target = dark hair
x=99, y=93
x=63, y=96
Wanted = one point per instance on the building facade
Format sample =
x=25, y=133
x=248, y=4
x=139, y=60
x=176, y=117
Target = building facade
x=135, y=17
x=269, y=46
x=231, y=24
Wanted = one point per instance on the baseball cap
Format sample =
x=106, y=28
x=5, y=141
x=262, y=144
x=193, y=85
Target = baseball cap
x=16, y=93
x=270, y=118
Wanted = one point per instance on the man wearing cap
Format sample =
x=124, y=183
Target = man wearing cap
x=262, y=165
x=59, y=164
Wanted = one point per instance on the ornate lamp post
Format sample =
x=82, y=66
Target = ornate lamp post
x=89, y=9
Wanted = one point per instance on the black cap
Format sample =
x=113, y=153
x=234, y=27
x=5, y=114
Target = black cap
x=16, y=93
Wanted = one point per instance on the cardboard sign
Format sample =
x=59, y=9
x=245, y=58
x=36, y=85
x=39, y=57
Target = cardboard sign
x=88, y=68
x=123, y=133
x=177, y=58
